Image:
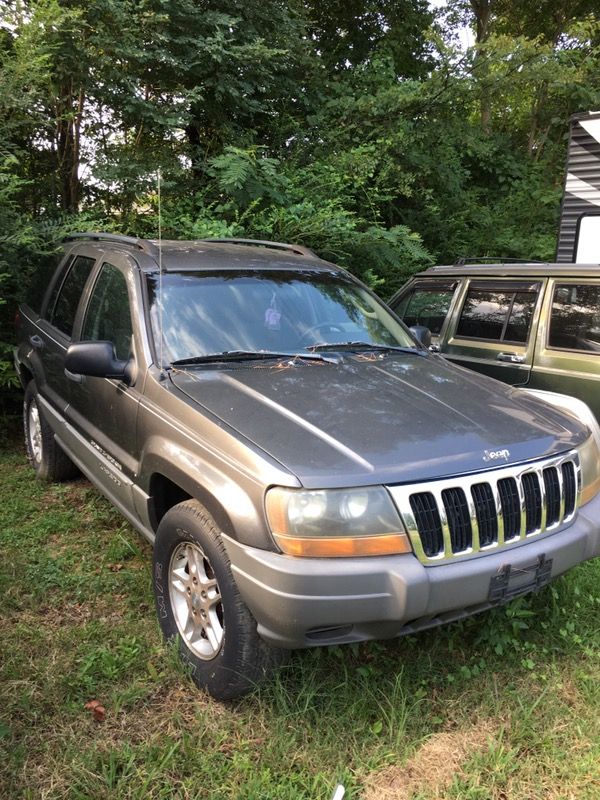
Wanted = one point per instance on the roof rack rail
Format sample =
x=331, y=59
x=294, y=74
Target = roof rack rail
x=489, y=261
x=298, y=249
x=99, y=236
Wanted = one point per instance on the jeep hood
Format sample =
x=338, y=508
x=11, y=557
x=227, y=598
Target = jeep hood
x=397, y=419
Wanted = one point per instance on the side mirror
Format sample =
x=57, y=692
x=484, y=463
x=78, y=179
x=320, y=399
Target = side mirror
x=421, y=334
x=96, y=359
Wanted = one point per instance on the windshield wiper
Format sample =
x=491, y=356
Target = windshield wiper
x=366, y=346
x=245, y=355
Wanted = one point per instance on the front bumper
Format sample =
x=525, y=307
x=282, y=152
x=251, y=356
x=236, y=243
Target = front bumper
x=303, y=602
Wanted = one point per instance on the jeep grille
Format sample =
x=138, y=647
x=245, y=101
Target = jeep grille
x=484, y=511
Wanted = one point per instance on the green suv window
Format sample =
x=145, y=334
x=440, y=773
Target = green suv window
x=500, y=313
x=427, y=304
x=575, y=317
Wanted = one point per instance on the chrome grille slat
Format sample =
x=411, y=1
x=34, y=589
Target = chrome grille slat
x=499, y=513
x=570, y=487
x=452, y=518
x=437, y=493
x=474, y=521
x=540, y=475
x=522, y=510
x=559, y=475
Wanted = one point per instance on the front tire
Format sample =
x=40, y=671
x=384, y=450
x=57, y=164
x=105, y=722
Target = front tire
x=198, y=603
x=47, y=457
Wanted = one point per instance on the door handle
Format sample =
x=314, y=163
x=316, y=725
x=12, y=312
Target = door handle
x=36, y=341
x=511, y=358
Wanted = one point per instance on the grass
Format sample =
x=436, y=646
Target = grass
x=504, y=705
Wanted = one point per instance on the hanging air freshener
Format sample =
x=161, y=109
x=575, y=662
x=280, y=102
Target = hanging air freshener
x=273, y=316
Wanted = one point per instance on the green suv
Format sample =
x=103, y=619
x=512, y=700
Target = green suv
x=534, y=325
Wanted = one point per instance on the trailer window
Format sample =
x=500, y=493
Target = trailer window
x=575, y=318
x=588, y=238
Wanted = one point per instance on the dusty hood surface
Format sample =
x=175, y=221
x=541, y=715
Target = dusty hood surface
x=401, y=418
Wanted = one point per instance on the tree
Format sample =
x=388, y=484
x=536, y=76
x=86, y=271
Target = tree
x=347, y=33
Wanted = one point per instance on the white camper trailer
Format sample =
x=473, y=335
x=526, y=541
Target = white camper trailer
x=579, y=234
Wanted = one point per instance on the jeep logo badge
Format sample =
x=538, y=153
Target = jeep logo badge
x=496, y=455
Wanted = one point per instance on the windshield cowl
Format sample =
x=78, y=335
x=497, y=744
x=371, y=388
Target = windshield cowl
x=366, y=346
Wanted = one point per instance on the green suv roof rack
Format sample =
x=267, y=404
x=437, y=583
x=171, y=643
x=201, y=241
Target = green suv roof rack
x=488, y=261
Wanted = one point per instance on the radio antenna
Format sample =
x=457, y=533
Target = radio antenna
x=160, y=273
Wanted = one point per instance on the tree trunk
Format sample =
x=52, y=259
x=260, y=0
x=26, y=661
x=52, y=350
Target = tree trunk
x=534, y=147
x=482, y=9
x=193, y=136
x=69, y=114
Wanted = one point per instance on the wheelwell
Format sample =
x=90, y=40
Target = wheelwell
x=165, y=493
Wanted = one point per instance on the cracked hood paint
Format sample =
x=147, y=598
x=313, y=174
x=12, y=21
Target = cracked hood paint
x=397, y=419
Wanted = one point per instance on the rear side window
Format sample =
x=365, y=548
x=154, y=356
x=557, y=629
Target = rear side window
x=58, y=282
x=426, y=304
x=108, y=317
x=575, y=318
x=498, y=313
x=61, y=312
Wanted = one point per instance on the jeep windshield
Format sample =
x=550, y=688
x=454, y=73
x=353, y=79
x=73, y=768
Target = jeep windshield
x=212, y=313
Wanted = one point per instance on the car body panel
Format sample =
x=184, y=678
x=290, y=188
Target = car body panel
x=397, y=419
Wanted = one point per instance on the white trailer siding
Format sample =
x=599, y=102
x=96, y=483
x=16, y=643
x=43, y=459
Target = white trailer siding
x=579, y=234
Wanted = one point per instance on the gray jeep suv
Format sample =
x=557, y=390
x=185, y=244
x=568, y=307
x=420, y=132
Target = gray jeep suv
x=308, y=473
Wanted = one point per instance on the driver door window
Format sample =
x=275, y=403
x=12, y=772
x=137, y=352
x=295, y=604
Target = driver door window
x=108, y=317
x=426, y=304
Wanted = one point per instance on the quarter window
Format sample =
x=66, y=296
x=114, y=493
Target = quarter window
x=61, y=312
x=48, y=285
x=575, y=318
x=500, y=314
x=108, y=317
x=426, y=304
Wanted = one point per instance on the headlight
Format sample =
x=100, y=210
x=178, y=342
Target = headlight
x=589, y=457
x=335, y=522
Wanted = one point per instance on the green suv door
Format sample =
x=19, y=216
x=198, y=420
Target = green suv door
x=485, y=324
x=534, y=325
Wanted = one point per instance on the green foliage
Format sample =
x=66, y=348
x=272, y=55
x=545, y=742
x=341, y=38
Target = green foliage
x=360, y=129
x=247, y=176
x=515, y=692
